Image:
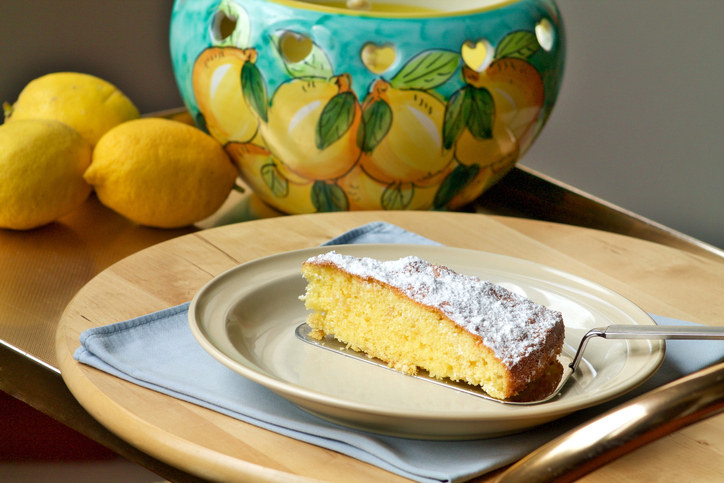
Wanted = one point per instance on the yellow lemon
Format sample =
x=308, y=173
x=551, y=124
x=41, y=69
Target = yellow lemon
x=411, y=150
x=41, y=172
x=313, y=125
x=161, y=173
x=86, y=103
x=217, y=87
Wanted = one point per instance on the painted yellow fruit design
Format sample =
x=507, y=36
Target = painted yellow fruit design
x=518, y=94
x=403, y=153
x=501, y=153
x=271, y=180
x=365, y=193
x=491, y=120
x=474, y=181
x=403, y=136
x=218, y=73
x=499, y=148
x=494, y=116
x=312, y=126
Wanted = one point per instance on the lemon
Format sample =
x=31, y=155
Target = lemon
x=86, y=103
x=41, y=172
x=161, y=173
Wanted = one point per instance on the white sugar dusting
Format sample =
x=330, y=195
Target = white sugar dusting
x=510, y=324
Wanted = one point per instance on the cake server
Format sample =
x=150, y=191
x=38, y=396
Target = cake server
x=569, y=364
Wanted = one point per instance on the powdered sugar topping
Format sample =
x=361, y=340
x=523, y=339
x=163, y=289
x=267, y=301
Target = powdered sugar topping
x=510, y=324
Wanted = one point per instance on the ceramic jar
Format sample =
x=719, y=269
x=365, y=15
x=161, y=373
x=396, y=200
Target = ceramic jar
x=394, y=104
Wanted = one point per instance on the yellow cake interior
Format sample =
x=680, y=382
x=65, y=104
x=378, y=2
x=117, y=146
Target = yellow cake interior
x=375, y=318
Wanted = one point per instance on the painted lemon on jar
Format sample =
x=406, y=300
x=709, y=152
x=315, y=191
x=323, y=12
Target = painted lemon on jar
x=217, y=78
x=516, y=89
x=411, y=148
x=312, y=126
x=492, y=119
x=403, y=140
x=365, y=193
x=467, y=182
x=307, y=131
x=226, y=110
x=272, y=180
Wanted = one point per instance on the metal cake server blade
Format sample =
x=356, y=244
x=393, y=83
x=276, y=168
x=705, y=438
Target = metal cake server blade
x=568, y=364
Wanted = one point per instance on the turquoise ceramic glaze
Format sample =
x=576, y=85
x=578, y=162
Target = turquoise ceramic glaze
x=401, y=104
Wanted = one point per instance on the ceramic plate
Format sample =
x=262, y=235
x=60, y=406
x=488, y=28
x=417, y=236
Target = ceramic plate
x=246, y=318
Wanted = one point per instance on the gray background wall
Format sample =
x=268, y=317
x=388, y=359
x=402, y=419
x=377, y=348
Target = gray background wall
x=639, y=122
x=640, y=119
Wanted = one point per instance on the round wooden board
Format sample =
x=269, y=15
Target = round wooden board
x=660, y=279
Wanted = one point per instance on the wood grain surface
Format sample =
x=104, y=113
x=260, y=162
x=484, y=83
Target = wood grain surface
x=659, y=279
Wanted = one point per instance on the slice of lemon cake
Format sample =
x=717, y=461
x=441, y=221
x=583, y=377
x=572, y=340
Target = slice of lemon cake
x=413, y=314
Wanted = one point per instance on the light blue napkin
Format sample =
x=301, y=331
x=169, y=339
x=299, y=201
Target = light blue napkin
x=159, y=352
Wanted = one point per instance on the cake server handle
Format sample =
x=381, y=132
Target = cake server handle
x=648, y=332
